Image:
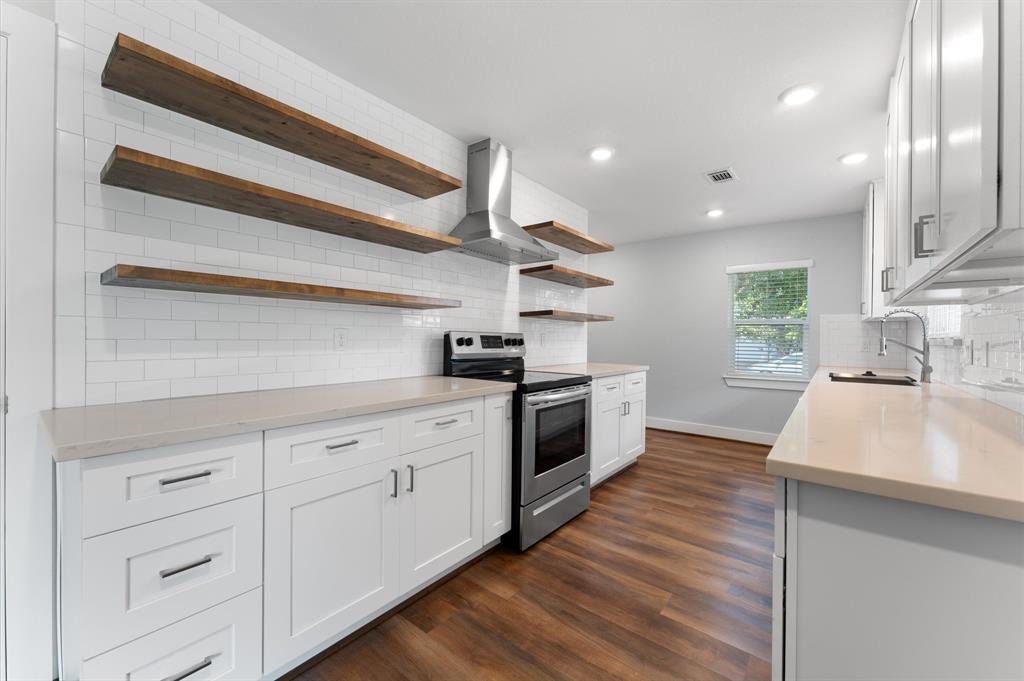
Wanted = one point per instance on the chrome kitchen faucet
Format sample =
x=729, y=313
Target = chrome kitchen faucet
x=924, y=351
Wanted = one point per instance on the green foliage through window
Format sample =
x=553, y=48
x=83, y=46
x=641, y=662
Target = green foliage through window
x=769, y=314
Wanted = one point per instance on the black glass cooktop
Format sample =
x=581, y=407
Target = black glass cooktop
x=532, y=381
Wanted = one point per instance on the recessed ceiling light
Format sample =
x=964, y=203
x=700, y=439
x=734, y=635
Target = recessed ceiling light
x=715, y=213
x=601, y=153
x=853, y=159
x=798, y=94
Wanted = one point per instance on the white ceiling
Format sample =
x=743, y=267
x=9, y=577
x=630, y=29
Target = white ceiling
x=677, y=88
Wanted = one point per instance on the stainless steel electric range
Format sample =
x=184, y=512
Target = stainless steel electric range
x=551, y=431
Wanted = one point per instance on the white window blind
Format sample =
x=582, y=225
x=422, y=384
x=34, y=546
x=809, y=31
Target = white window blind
x=769, y=320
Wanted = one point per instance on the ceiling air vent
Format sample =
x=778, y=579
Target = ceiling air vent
x=719, y=176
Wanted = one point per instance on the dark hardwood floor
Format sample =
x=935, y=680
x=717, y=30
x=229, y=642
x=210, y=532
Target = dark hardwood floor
x=667, y=576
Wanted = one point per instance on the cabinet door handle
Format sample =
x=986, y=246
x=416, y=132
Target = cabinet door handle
x=919, y=250
x=394, y=483
x=638, y=381
x=207, y=661
x=887, y=283
x=331, y=448
x=446, y=422
x=185, y=478
x=412, y=476
x=629, y=408
x=170, y=572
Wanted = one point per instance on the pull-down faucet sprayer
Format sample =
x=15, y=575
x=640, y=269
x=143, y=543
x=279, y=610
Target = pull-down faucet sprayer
x=924, y=351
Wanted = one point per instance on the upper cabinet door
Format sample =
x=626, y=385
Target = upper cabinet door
x=968, y=143
x=924, y=83
x=897, y=227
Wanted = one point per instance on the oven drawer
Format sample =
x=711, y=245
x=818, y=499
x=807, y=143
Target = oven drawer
x=128, y=489
x=437, y=424
x=636, y=382
x=553, y=510
x=609, y=388
x=143, y=578
x=220, y=643
x=312, y=450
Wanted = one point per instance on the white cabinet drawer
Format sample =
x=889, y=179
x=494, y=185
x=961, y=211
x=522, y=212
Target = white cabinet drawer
x=311, y=450
x=220, y=643
x=636, y=382
x=127, y=489
x=142, y=578
x=608, y=388
x=436, y=424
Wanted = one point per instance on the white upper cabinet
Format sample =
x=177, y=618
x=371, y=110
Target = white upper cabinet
x=968, y=143
x=924, y=165
x=953, y=155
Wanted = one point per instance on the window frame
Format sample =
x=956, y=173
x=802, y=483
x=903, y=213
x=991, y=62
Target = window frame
x=769, y=380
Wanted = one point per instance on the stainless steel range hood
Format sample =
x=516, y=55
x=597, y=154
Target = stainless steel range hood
x=487, y=231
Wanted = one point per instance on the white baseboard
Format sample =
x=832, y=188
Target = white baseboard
x=740, y=434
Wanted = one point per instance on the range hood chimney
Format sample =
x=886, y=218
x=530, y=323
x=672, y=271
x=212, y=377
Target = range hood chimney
x=487, y=231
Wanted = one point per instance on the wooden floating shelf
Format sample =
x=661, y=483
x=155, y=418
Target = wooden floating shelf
x=144, y=172
x=567, y=316
x=135, y=276
x=561, y=235
x=564, y=275
x=152, y=75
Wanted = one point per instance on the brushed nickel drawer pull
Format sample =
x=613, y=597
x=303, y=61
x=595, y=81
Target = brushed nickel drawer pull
x=207, y=661
x=170, y=572
x=331, y=448
x=637, y=382
x=446, y=422
x=394, y=483
x=412, y=476
x=184, y=478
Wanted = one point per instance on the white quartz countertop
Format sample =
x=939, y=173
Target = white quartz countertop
x=931, y=444
x=82, y=432
x=595, y=369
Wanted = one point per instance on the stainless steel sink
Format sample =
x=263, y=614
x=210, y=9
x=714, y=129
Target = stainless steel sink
x=871, y=377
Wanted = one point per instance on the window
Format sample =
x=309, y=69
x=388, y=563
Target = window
x=769, y=320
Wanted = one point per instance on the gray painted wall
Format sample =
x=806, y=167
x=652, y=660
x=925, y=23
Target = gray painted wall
x=671, y=306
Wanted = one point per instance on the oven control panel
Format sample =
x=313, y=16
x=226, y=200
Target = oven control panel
x=483, y=344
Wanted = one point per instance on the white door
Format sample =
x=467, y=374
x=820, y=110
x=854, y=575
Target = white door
x=331, y=556
x=969, y=143
x=497, y=495
x=632, y=435
x=923, y=228
x=441, y=508
x=606, y=436
x=898, y=227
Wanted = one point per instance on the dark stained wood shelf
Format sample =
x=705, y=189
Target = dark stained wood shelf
x=144, y=172
x=561, y=235
x=152, y=75
x=567, y=316
x=135, y=276
x=564, y=275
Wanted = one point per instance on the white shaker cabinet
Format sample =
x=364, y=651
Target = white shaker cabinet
x=873, y=276
x=441, y=509
x=497, y=485
x=618, y=423
x=953, y=170
x=331, y=556
x=606, y=439
x=969, y=102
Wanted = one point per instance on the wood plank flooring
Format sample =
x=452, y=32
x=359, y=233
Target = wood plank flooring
x=667, y=576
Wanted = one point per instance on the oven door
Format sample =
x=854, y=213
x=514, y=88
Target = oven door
x=556, y=440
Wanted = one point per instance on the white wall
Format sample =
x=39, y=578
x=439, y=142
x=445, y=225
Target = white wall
x=671, y=301
x=133, y=344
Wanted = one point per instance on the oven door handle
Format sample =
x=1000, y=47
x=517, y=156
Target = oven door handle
x=535, y=400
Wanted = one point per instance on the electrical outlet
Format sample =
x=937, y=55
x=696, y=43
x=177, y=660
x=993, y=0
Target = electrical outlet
x=340, y=336
x=543, y=340
x=866, y=345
